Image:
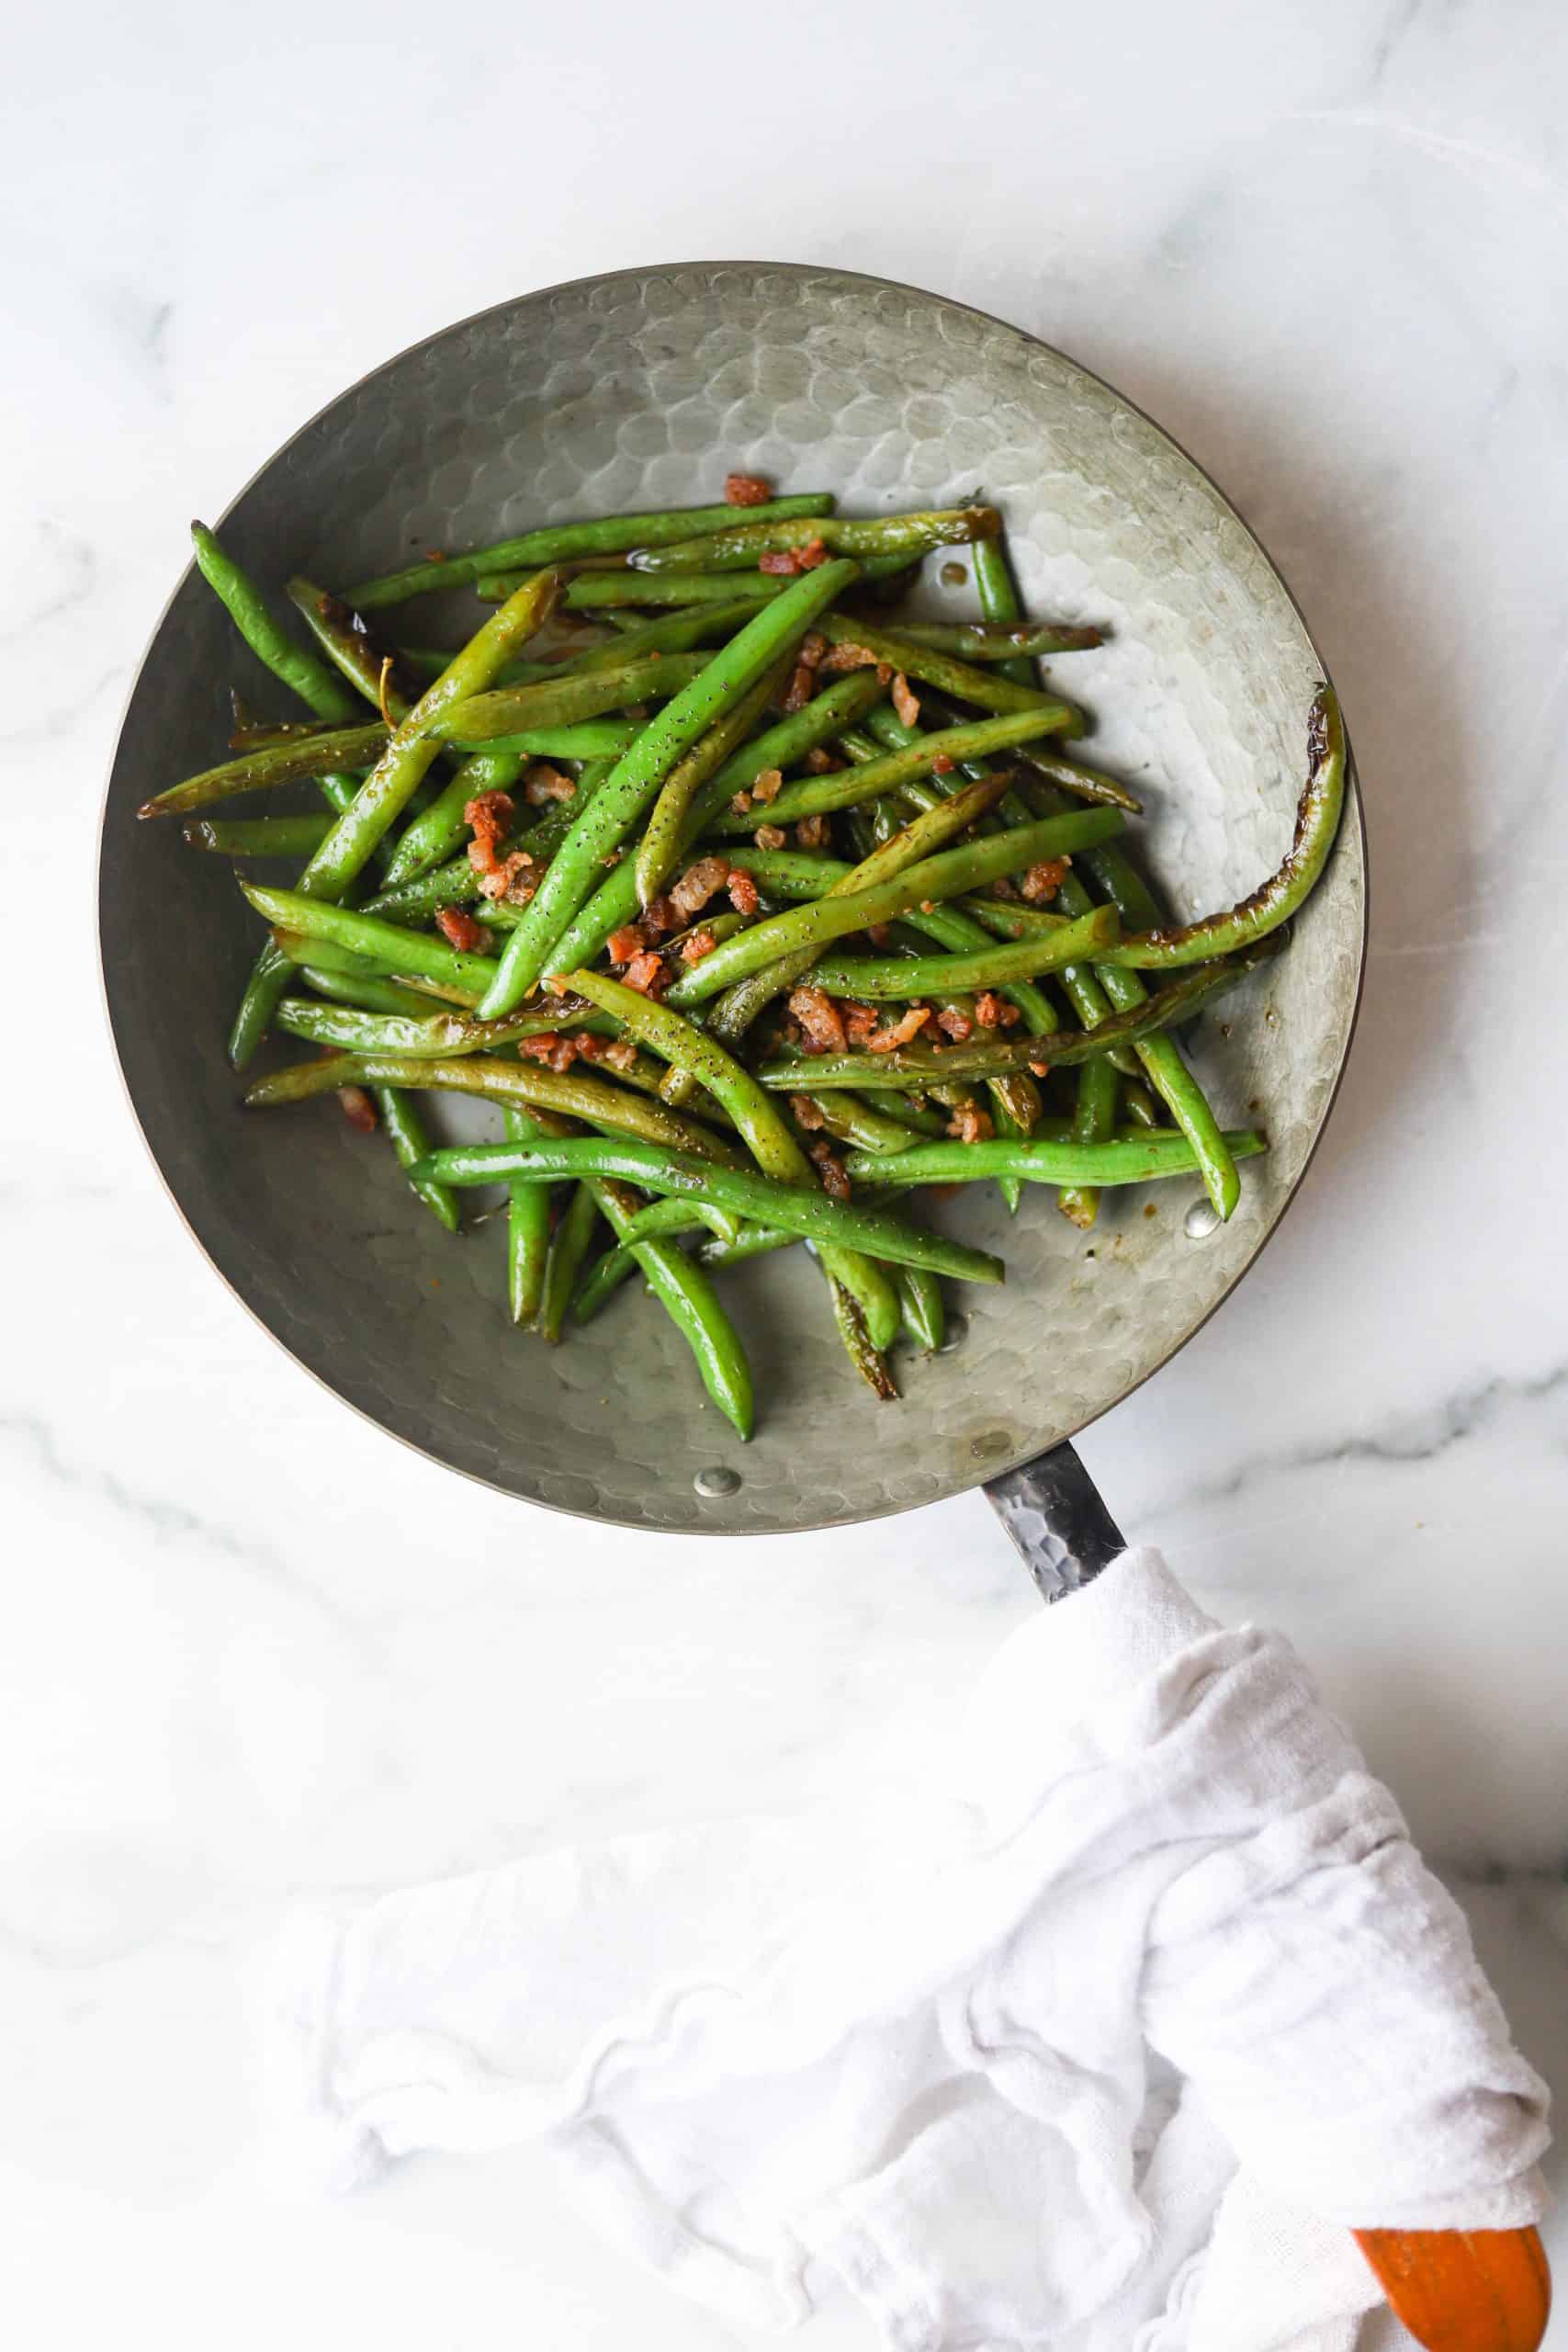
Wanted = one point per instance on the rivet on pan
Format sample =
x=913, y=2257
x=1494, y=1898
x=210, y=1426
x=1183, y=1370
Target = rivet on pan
x=717, y=1481
x=1201, y=1220
x=955, y=1334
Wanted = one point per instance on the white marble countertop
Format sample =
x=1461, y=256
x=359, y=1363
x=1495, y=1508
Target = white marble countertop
x=252, y=1647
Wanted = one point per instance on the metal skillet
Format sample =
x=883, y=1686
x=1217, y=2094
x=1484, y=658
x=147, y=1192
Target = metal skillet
x=639, y=388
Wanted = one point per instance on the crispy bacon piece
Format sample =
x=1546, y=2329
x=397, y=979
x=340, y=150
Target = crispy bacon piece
x=993, y=1011
x=820, y=761
x=700, y=943
x=747, y=490
x=769, y=837
x=778, y=560
x=623, y=944
x=941, y=765
x=619, y=1052
x=358, y=1109
x=887, y=1041
x=490, y=815
x=459, y=928
x=544, y=782
x=835, y=1183
x=1002, y=888
x=697, y=885
x=813, y=646
x=805, y=1112
x=851, y=656
x=954, y=1024
x=768, y=786
x=1043, y=881
x=659, y=916
x=741, y=802
x=905, y=701
x=970, y=1125
x=646, y=973
x=860, y=1023
x=814, y=552
x=813, y=832
x=820, y=1018
x=799, y=691
x=557, y=1052
x=744, y=895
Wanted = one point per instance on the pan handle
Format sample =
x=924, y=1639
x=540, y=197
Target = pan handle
x=1052, y=1509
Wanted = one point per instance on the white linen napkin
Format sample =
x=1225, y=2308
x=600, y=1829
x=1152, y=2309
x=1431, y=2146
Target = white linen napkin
x=1103, y=2036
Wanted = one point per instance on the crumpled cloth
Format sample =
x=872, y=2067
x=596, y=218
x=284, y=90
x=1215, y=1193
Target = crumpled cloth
x=1102, y=2036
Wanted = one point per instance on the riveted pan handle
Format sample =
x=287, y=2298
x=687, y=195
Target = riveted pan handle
x=1052, y=1509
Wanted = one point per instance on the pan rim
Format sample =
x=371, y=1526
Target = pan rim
x=644, y=273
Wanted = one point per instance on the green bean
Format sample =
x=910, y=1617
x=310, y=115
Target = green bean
x=1138, y=1158
x=919, y=1067
x=558, y=542
x=675, y=632
x=796, y=1207
x=990, y=642
x=1094, y=1121
x=818, y=795
x=998, y=596
x=409, y=1139
x=907, y=1114
x=428, y=1035
x=386, y=943
x=608, y=592
x=1138, y=1106
x=956, y=678
x=757, y=1121
x=1084, y=783
x=575, y=870
x=968, y=867
x=920, y=1298
x=527, y=1227
x=305, y=672
x=437, y=831
x=569, y=1247
x=693, y=1304
x=326, y=955
x=737, y=549
x=561, y=702
x=257, y=836
x=878, y=978
x=658, y=851
x=674, y=1216
x=606, y=1274
x=754, y=1241
x=264, y=771
x=379, y=676
x=848, y=1120
x=1275, y=901
x=365, y=993
x=524, y=1085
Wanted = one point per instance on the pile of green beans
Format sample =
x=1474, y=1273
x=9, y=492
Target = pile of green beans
x=751, y=904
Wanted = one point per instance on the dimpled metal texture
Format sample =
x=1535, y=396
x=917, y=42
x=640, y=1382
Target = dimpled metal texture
x=642, y=389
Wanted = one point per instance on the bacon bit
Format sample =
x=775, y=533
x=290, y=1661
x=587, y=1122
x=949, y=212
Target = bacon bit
x=358, y=1109
x=623, y=944
x=459, y=928
x=887, y=1041
x=970, y=1125
x=740, y=803
x=619, y=1052
x=659, y=916
x=798, y=693
x=820, y=761
x=768, y=786
x=544, y=782
x=700, y=943
x=835, y=1183
x=814, y=552
x=1002, y=888
x=697, y=885
x=927, y=906
x=993, y=1011
x=490, y=815
x=1041, y=1069
x=744, y=895
x=558, y=984
x=905, y=701
x=955, y=1024
x=552, y=1047
x=813, y=646
x=747, y=490
x=941, y=765
x=769, y=837
x=879, y=933
x=1043, y=881
x=780, y=560
x=647, y=974
x=806, y=1112
x=820, y=1018
x=812, y=832
x=851, y=656
x=860, y=1022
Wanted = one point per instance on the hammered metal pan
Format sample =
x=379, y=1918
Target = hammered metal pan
x=641, y=388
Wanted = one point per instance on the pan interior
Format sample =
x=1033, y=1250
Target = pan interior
x=639, y=390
